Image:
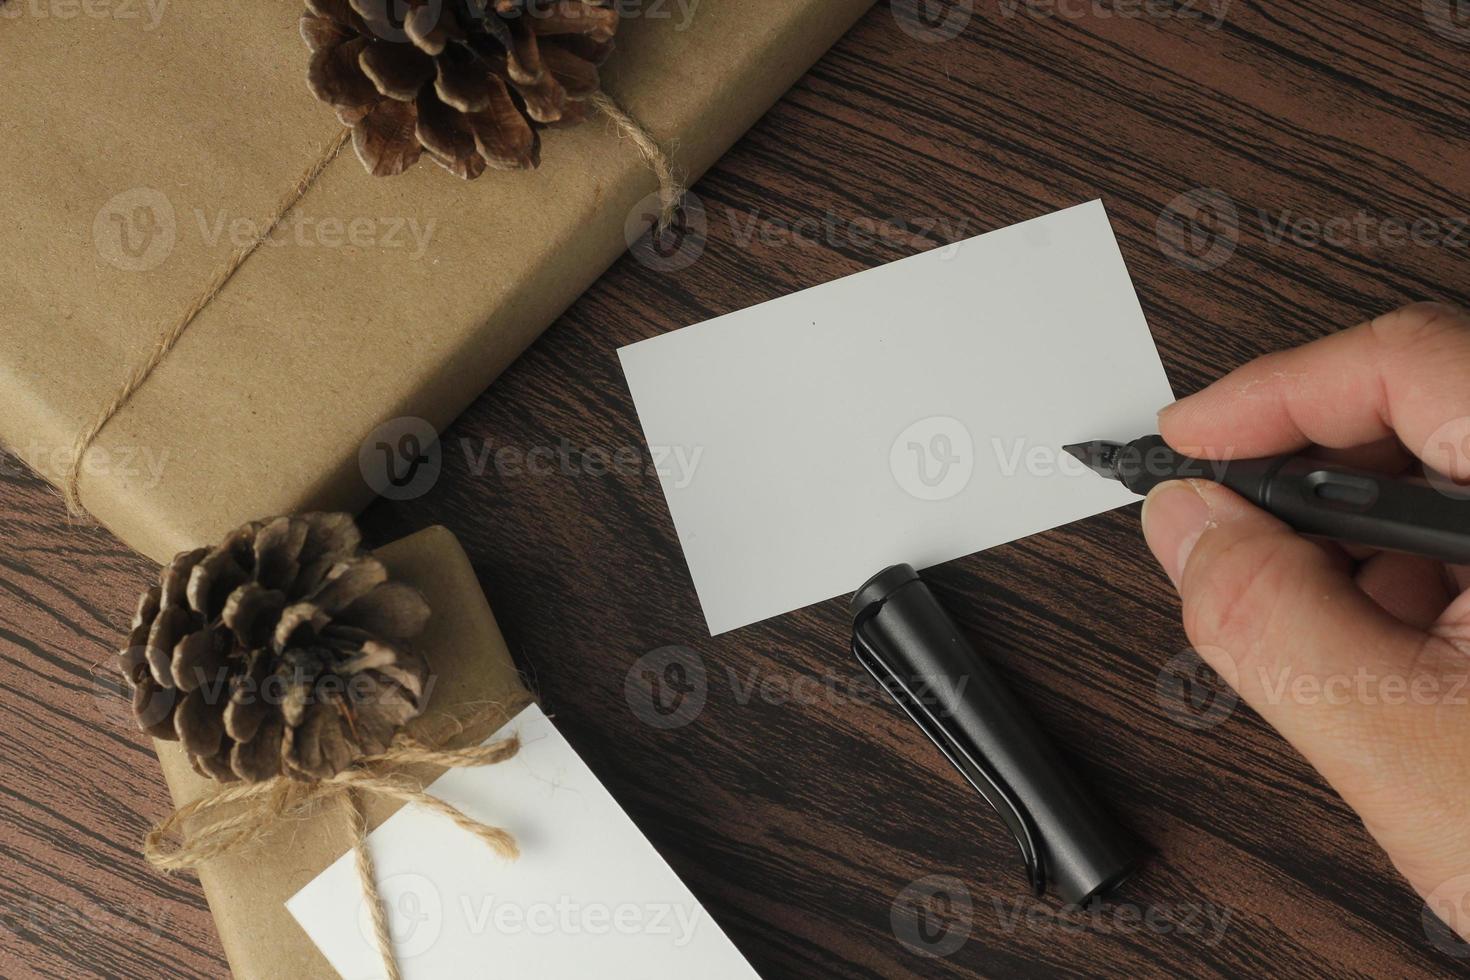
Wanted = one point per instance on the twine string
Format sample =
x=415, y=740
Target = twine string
x=240, y=814
x=670, y=182
x=170, y=336
x=670, y=191
x=368, y=876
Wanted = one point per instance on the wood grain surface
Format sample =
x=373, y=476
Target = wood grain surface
x=798, y=804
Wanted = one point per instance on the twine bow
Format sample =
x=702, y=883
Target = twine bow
x=241, y=814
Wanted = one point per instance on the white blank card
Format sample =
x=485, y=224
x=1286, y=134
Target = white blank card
x=588, y=897
x=911, y=413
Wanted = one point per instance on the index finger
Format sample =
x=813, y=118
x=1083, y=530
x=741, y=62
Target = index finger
x=1406, y=373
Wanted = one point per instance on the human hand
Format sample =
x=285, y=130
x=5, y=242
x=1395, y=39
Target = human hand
x=1389, y=633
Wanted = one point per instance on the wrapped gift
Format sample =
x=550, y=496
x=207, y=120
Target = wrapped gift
x=248, y=887
x=290, y=901
x=150, y=146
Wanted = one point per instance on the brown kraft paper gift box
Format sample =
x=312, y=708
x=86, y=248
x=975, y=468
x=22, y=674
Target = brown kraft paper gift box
x=138, y=149
x=469, y=665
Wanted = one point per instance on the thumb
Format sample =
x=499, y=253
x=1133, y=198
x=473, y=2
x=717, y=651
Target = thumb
x=1281, y=619
x=1375, y=705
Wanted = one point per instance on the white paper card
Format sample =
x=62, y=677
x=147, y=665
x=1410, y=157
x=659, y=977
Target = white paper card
x=589, y=896
x=911, y=413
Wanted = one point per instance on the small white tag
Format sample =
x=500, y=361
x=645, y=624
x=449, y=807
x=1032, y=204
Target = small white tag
x=589, y=896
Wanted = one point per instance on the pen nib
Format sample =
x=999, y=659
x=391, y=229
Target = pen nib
x=1099, y=456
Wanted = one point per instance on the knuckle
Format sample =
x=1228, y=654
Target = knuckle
x=1420, y=324
x=1441, y=653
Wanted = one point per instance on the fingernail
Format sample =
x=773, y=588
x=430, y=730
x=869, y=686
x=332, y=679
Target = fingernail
x=1174, y=516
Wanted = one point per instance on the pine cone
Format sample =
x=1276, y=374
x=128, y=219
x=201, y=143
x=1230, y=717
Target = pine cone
x=281, y=652
x=470, y=81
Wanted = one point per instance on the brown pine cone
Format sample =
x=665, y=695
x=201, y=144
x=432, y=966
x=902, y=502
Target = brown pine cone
x=281, y=652
x=470, y=81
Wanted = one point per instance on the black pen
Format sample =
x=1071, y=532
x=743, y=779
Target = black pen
x=1392, y=513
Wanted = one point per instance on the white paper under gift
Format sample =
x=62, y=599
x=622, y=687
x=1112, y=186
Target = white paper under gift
x=589, y=896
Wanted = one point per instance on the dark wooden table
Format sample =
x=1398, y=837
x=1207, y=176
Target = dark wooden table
x=801, y=808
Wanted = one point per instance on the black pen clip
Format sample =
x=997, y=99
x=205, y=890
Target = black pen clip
x=976, y=771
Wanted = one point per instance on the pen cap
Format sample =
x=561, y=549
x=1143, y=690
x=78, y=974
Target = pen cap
x=912, y=645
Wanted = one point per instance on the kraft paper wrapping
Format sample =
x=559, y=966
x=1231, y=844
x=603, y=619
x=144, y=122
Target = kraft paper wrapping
x=142, y=141
x=470, y=666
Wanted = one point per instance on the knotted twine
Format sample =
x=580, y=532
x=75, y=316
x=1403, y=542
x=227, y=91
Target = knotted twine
x=238, y=815
x=670, y=191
